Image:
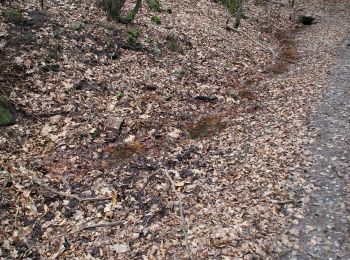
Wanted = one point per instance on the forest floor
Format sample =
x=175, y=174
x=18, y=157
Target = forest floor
x=184, y=139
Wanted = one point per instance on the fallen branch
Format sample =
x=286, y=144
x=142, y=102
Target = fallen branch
x=68, y=195
x=182, y=218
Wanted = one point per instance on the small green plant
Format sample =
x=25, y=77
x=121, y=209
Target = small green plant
x=179, y=73
x=227, y=65
x=133, y=35
x=172, y=44
x=95, y=133
x=154, y=5
x=157, y=48
x=129, y=17
x=155, y=19
x=14, y=16
x=168, y=97
x=131, y=41
x=148, y=40
x=119, y=95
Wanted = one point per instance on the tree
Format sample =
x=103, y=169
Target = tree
x=235, y=9
x=114, y=10
x=239, y=13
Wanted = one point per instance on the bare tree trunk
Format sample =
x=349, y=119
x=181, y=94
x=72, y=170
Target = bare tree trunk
x=114, y=10
x=239, y=13
x=131, y=15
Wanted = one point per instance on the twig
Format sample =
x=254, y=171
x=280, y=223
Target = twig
x=270, y=50
x=149, y=179
x=108, y=224
x=282, y=201
x=68, y=195
x=182, y=218
x=120, y=125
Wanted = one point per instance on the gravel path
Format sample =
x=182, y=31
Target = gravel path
x=324, y=232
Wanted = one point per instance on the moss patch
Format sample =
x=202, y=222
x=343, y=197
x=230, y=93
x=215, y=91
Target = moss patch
x=154, y=5
x=206, y=127
x=155, y=19
x=6, y=116
x=14, y=16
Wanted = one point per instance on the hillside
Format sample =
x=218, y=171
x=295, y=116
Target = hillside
x=183, y=139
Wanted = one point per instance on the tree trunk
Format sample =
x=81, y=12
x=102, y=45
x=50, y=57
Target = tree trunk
x=114, y=10
x=239, y=13
x=131, y=15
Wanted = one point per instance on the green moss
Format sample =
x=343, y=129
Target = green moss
x=154, y=5
x=134, y=32
x=14, y=16
x=6, y=117
x=131, y=41
x=155, y=19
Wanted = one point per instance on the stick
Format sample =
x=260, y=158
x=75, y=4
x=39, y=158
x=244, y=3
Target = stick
x=108, y=224
x=182, y=218
x=68, y=195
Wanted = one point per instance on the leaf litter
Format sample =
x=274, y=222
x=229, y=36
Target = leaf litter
x=230, y=193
